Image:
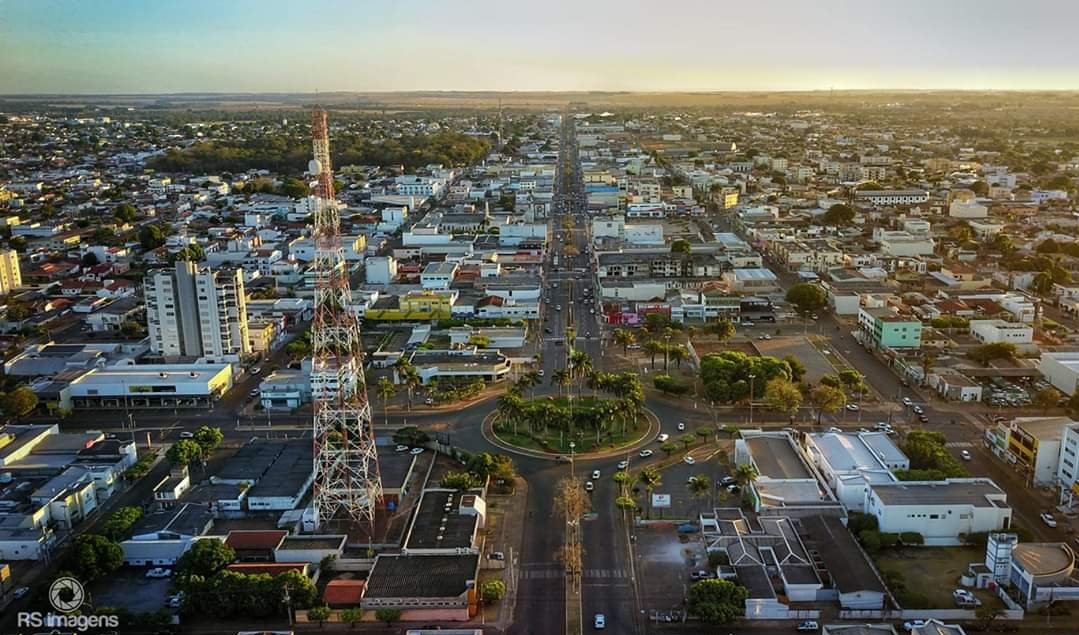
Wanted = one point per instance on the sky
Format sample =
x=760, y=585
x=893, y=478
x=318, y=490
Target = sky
x=166, y=46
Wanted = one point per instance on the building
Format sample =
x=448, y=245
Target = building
x=1061, y=369
x=999, y=331
x=380, y=269
x=10, y=274
x=196, y=312
x=150, y=386
x=438, y=275
x=849, y=462
x=785, y=479
x=424, y=587
x=892, y=197
x=939, y=510
x=967, y=209
x=1034, y=446
x=882, y=328
x=465, y=363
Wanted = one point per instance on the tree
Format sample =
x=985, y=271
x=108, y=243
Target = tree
x=126, y=213
x=385, y=389
x=988, y=352
x=687, y=439
x=389, y=616
x=131, y=328
x=717, y=601
x=119, y=524
x=980, y=188
x=798, y=369
x=184, y=452
x=19, y=402
x=678, y=353
x=302, y=591
x=668, y=447
x=807, y=298
x=492, y=591
x=89, y=259
x=745, y=474
x=782, y=396
x=205, y=558
x=651, y=479
x=722, y=329
x=838, y=215
x=460, y=480
x=1048, y=246
x=699, y=486
x=95, y=556
x=680, y=246
x=209, y=439
x=652, y=347
x=1046, y=398
x=561, y=378
x=151, y=236
x=352, y=616
x=624, y=338
x=318, y=614
x=529, y=381
x=827, y=399
x=411, y=436
x=987, y=613
x=1041, y=284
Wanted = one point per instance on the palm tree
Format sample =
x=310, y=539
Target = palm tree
x=529, y=381
x=510, y=408
x=928, y=361
x=746, y=474
x=385, y=390
x=581, y=365
x=652, y=347
x=651, y=479
x=679, y=353
x=560, y=378
x=624, y=338
x=668, y=333
x=699, y=486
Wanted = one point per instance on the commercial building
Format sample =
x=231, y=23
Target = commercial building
x=380, y=269
x=148, y=386
x=466, y=363
x=785, y=479
x=1034, y=446
x=196, y=312
x=939, y=510
x=1061, y=369
x=999, y=331
x=883, y=328
x=849, y=462
x=424, y=587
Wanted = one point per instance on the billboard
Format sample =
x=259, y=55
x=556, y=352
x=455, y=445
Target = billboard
x=661, y=500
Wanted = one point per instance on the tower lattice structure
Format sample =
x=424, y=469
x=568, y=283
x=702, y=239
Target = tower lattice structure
x=347, y=485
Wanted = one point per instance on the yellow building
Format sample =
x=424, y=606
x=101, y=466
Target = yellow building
x=414, y=305
x=261, y=334
x=727, y=198
x=10, y=274
x=1034, y=446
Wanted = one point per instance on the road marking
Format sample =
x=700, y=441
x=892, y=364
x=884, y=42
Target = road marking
x=605, y=573
x=958, y=444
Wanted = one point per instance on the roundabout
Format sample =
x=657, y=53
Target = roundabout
x=644, y=433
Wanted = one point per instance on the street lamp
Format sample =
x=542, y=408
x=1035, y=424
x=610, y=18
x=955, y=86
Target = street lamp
x=751, y=378
x=572, y=445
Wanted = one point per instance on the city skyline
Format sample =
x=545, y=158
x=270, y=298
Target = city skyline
x=120, y=46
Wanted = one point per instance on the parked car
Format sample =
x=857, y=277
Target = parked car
x=663, y=437
x=907, y=402
x=964, y=597
x=701, y=575
x=733, y=488
x=681, y=426
x=159, y=572
x=256, y=370
x=913, y=624
x=401, y=448
x=1049, y=519
x=496, y=555
x=835, y=430
x=595, y=475
x=588, y=486
x=416, y=451
x=966, y=455
x=853, y=407
x=918, y=410
x=187, y=435
x=727, y=480
x=646, y=453
x=808, y=626
x=623, y=465
x=176, y=600
x=599, y=622
x=689, y=460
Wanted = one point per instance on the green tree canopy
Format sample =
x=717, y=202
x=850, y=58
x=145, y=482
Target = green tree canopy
x=807, y=298
x=19, y=402
x=838, y=215
x=184, y=452
x=717, y=601
x=94, y=556
x=208, y=438
x=205, y=558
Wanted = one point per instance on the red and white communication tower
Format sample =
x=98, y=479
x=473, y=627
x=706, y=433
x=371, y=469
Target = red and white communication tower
x=347, y=484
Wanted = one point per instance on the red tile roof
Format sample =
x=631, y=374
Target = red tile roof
x=342, y=592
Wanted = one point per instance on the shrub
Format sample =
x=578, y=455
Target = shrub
x=911, y=538
x=914, y=600
x=870, y=540
x=889, y=539
x=670, y=385
x=717, y=558
x=858, y=522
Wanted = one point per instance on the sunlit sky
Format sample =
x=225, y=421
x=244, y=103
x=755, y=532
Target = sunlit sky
x=157, y=46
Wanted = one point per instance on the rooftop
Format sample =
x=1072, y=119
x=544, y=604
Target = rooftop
x=396, y=576
x=776, y=458
x=289, y=474
x=1044, y=428
x=438, y=523
x=1044, y=558
x=850, y=571
x=972, y=491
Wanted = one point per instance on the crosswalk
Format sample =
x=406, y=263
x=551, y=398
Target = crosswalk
x=958, y=444
x=553, y=571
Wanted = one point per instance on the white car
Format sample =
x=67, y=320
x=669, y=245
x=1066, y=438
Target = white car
x=599, y=622
x=416, y=451
x=1048, y=519
x=835, y=430
x=907, y=402
x=966, y=455
x=595, y=475
x=646, y=453
x=541, y=372
x=588, y=486
x=681, y=426
x=623, y=465
x=688, y=460
x=808, y=626
x=663, y=437
x=853, y=407
x=964, y=597
x=918, y=410
x=187, y=435
x=913, y=624
x=158, y=572
x=401, y=448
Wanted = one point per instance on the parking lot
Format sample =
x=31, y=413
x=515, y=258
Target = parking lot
x=684, y=506
x=129, y=588
x=665, y=560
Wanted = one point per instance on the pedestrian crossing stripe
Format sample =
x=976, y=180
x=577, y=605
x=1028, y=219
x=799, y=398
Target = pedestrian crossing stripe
x=958, y=444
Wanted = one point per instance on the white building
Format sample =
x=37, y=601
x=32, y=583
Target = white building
x=850, y=462
x=410, y=185
x=892, y=197
x=193, y=312
x=164, y=386
x=1061, y=369
x=380, y=269
x=939, y=510
x=438, y=275
x=998, y=331
x=967, y=209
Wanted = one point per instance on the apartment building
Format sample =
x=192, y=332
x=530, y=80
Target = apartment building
x=885, y=329
x=892, y=197
x=196, y=312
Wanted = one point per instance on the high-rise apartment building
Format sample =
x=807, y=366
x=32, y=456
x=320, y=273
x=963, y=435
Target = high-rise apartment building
x=10, y=274
x=196, y=312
